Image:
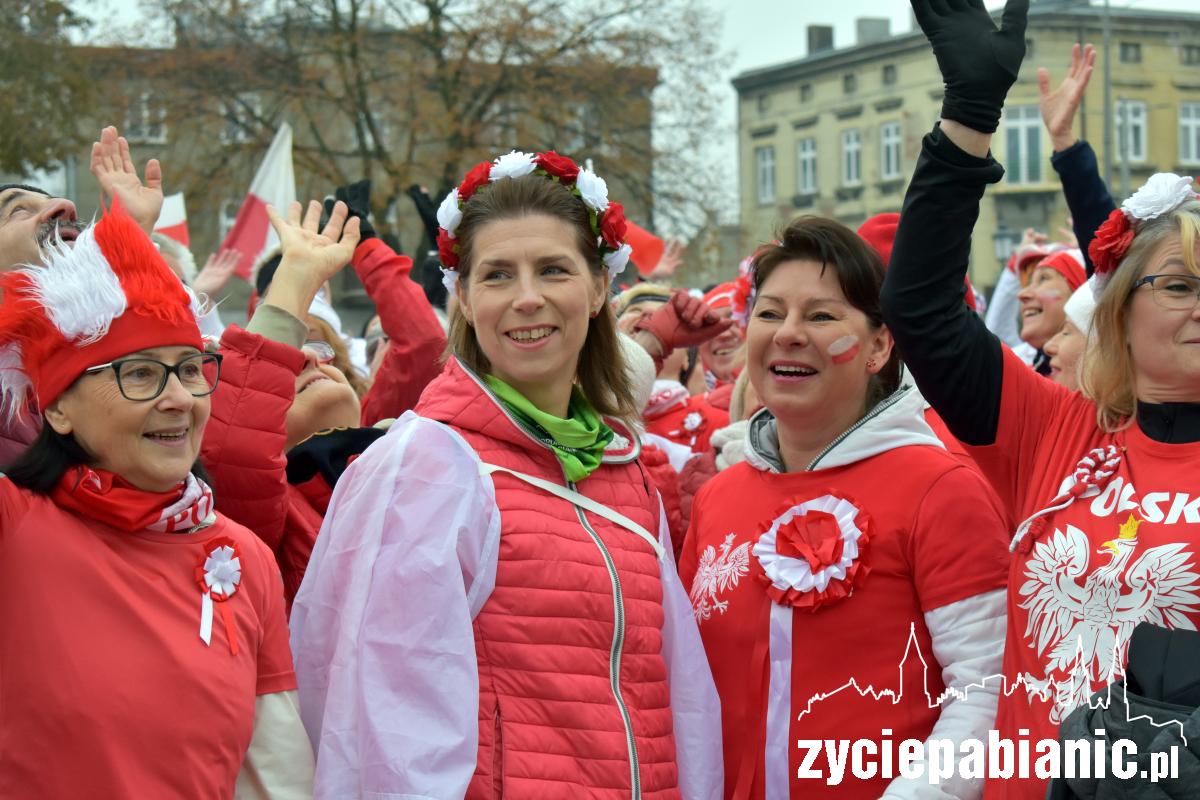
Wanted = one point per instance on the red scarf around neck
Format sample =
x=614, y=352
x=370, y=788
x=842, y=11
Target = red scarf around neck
x=109, y=498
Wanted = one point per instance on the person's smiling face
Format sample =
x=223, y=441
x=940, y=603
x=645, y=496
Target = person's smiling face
x=28, y=222
x=530, y=297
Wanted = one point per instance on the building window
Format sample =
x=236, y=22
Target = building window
x=849, y=83
x=1023, y=144
x=1131, y=53
x=146, y=121
x=889, y=151
x=806, y=166
x=806, y=93
x=1189, y=54
x=1131, y=130
x=1189, y=133
x=851, y=158
x=764, y=103
x=241, y=114
x=889, y=74
x=764, y=162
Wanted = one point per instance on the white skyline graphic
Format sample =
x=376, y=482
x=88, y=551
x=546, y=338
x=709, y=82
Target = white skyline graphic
x=1041, y=688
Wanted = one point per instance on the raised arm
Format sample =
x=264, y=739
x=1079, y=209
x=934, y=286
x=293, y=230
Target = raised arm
x=1073, y=159
x=955, y=359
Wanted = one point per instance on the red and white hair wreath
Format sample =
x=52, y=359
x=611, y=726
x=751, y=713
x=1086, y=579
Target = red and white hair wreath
x=607, y=218
x=1161, y=194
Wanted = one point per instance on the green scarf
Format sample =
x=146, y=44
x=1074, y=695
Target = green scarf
x=578, y=441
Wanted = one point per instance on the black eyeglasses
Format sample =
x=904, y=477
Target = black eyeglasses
x=1176, y=292
x=143, y=379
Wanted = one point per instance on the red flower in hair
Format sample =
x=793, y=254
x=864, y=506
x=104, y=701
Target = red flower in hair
x=613, y=226
x=447, y=250
x=479, y=175
x=560, y=167
x=1111, y=243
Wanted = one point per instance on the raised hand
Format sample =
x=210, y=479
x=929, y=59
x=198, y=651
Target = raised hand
x=1059, y=106
x=683, y=321
x=310, y=256
x=979, y=62
x=669, y=262
x=217, y=271
x=118, y=179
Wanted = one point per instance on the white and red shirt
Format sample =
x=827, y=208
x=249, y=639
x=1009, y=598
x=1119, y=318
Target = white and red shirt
x=936, y=541
x=1125, y=552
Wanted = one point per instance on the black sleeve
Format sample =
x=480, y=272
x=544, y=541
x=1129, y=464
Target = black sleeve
x=1087, y=195
x=956, y=360
x=427, y=211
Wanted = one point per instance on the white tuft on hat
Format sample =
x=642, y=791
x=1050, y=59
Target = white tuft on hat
x=1081, y=305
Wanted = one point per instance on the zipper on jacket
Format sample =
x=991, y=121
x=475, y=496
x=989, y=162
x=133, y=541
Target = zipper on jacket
x=618, y=643
x=879, y=408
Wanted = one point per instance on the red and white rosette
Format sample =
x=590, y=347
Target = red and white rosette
x=219, y=575
x=814, y=553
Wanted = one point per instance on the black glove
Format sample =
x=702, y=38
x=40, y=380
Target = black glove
x=978, y=62
x=357, y=197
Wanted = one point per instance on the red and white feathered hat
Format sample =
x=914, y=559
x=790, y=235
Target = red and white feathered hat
x=109, y=295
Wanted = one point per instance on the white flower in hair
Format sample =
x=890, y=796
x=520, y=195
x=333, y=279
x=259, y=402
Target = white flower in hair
x=1161, y=194
x=616, y=261
x=449, y=279
x=593, y=190
x=513, y=165
x=449, y=214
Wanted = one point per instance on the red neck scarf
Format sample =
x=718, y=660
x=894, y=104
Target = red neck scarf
x=106, y=497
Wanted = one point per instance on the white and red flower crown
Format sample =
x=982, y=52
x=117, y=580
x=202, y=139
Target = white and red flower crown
x=1161, y=194
x=607, y=218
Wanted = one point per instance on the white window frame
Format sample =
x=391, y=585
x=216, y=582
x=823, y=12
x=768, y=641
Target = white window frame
x=1023, y=131
x=146, y=120
x=852, y=157
x=764, y=171
x=891, y=143
x=1189, y=134
x=238, y=124
x=806, y=166
x=1137, y=114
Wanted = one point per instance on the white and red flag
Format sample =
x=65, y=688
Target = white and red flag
x=172, y=220
x=274, y=184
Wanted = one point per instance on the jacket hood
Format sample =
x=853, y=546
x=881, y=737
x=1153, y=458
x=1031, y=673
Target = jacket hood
x=458, y=397
x=896, y=421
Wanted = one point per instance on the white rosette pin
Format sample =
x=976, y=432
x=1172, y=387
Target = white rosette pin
x=219, y=575
x=814, y=553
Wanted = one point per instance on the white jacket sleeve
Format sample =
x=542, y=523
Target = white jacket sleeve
x=695, y=705
x=279, y=761
x=1002, y=318
x=968, y=643
x=382, y=625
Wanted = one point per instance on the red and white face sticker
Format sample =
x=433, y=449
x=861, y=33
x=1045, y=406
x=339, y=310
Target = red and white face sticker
x=844, y=349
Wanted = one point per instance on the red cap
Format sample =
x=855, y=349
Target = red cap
x=880, y=232
x=720, y=296
x=1069, y=264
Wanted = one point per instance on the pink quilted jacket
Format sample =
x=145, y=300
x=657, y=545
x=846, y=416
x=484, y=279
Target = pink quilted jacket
x=574, y=700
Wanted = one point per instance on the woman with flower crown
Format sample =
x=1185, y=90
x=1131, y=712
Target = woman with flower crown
x=1104, y=479
x=492, y=606
x=143, y=644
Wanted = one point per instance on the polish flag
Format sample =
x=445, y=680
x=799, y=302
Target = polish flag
x=647, y=248
x=274, y=184
x=172, y=220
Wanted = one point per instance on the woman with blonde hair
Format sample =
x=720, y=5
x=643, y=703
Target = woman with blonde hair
x=1104, y=480
x=491, y=607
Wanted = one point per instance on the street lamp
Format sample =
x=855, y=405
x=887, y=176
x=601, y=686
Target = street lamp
x=1004, y=242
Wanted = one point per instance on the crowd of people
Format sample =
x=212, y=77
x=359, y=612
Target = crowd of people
x=539, y=535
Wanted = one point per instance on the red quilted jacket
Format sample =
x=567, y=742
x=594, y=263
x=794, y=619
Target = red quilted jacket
x=573, y=693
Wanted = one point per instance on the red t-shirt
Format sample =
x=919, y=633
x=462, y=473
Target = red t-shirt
x=106, y=688
x=1091, y=574
x=936, y=539
x=692, y=423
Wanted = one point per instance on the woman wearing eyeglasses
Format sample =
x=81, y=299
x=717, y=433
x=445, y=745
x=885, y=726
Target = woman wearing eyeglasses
x=143, y=644
x=1105, y=480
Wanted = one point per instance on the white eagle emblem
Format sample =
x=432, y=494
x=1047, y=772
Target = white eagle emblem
x=1085, y=628
x=716, y=574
